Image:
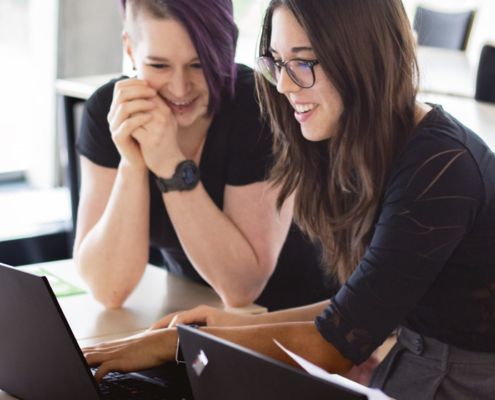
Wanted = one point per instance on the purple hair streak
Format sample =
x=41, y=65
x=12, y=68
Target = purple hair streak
x=213, y=32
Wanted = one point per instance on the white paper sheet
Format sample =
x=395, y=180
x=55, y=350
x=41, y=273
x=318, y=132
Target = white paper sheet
x=310, y=368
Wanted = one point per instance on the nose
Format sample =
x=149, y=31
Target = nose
x=179, y=84
x=285, y=83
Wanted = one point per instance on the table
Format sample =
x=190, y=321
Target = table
x=444, y=71
x=476, y=115
x=82, y=87
x=159, y=293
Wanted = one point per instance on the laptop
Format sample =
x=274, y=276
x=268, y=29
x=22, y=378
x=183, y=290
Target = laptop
x=40, y=358
x=222, y=370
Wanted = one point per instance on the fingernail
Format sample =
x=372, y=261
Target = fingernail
x=152, y=104
x=151, y=91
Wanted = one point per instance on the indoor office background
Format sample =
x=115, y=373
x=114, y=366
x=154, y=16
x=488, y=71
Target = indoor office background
x=42, y=41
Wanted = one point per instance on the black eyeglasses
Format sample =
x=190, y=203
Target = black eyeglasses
x=300, y=71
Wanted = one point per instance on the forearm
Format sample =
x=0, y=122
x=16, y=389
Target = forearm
x=300, y=337
x=216, y=247
x=299, y=314
x=112, y=255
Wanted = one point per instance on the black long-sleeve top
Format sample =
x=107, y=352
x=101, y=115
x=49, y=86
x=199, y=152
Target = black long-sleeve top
x=431, y=262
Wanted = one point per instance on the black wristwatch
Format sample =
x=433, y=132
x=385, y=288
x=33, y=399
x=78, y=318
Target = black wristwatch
x=186, y=177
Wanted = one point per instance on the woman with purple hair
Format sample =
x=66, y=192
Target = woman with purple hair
x=177, y=158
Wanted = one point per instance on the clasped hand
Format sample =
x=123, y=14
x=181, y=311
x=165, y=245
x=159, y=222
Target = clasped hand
x=143, y=128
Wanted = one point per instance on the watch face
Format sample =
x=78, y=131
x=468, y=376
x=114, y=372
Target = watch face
x=189, y=176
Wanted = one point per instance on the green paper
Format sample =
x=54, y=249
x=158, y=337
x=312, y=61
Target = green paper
x=59, y=286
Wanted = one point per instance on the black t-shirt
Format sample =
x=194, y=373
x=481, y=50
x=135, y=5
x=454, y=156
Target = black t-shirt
x=237, y=152
x=431, y=262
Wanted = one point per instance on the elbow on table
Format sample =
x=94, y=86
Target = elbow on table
x=239, y=296
x=237, y=300
x=247, y=291
x=111, y=300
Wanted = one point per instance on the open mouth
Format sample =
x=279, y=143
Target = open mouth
x=304, y=108
x=184, y=104
x=180, y=107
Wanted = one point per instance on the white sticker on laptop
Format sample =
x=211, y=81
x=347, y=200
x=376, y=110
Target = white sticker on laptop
x=200, y=363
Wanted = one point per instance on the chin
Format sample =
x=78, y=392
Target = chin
x=188, y=119
x=314, y=135
x=185, y=121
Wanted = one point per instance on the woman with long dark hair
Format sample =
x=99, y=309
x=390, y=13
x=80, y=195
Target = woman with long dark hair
x=177, y=158
x=401, y=195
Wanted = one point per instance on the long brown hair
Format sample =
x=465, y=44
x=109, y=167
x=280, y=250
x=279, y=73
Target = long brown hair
x=367, y=50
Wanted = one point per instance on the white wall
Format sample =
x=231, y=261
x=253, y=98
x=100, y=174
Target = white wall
x=90, y=38
x=39, y=84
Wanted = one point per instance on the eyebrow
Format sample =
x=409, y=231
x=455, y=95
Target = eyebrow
x=293, y=50
x=162, y=59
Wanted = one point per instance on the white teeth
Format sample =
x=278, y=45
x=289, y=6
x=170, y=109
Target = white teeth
x=304, y=108
x=181, y=104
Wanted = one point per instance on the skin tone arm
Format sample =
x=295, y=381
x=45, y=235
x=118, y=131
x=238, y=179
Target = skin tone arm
x=153, y=348
x=243, y=242
x=209, y=316
x=111, y=246
x=112, y=240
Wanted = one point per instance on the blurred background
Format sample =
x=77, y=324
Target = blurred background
x=49, y=48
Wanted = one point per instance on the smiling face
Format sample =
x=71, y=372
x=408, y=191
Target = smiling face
x=317, y=109
x=165, y=57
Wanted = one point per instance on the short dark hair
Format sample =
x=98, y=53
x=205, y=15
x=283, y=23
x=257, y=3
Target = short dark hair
x=213, y=32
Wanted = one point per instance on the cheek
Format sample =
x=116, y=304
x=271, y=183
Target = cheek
x=153, y=79
x=200, y=83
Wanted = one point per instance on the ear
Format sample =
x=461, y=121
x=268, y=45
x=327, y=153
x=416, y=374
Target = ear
x=128, y=47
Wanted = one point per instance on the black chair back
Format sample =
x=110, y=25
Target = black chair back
x=437, y=29
x=485, y=82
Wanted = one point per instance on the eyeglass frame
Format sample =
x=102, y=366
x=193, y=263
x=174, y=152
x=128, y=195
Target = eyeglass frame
x=280, y=64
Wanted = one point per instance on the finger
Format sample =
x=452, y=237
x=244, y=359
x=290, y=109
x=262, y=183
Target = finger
x=129, y=109
x=129, y=93
x=96, y=358
x=130, y=82
x=105, y=368
x=195, y=316
x=129, y=126
x=165, y=321
x=161, y=105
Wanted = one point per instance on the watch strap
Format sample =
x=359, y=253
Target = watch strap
x=167, y=185
x=177, y=181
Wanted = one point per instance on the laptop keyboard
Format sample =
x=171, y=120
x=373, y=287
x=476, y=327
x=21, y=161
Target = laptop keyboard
x=117, y=386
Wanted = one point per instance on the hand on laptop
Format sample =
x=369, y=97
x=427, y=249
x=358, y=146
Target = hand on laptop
x=135, y=353
x=204, y=315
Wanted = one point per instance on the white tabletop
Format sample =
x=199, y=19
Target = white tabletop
x=158, y=294
x=82, y=87
x=478, y=116
x=445, y=71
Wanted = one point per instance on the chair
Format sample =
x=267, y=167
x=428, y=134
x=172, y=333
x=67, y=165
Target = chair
x=485, y=82
x=446, y=30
